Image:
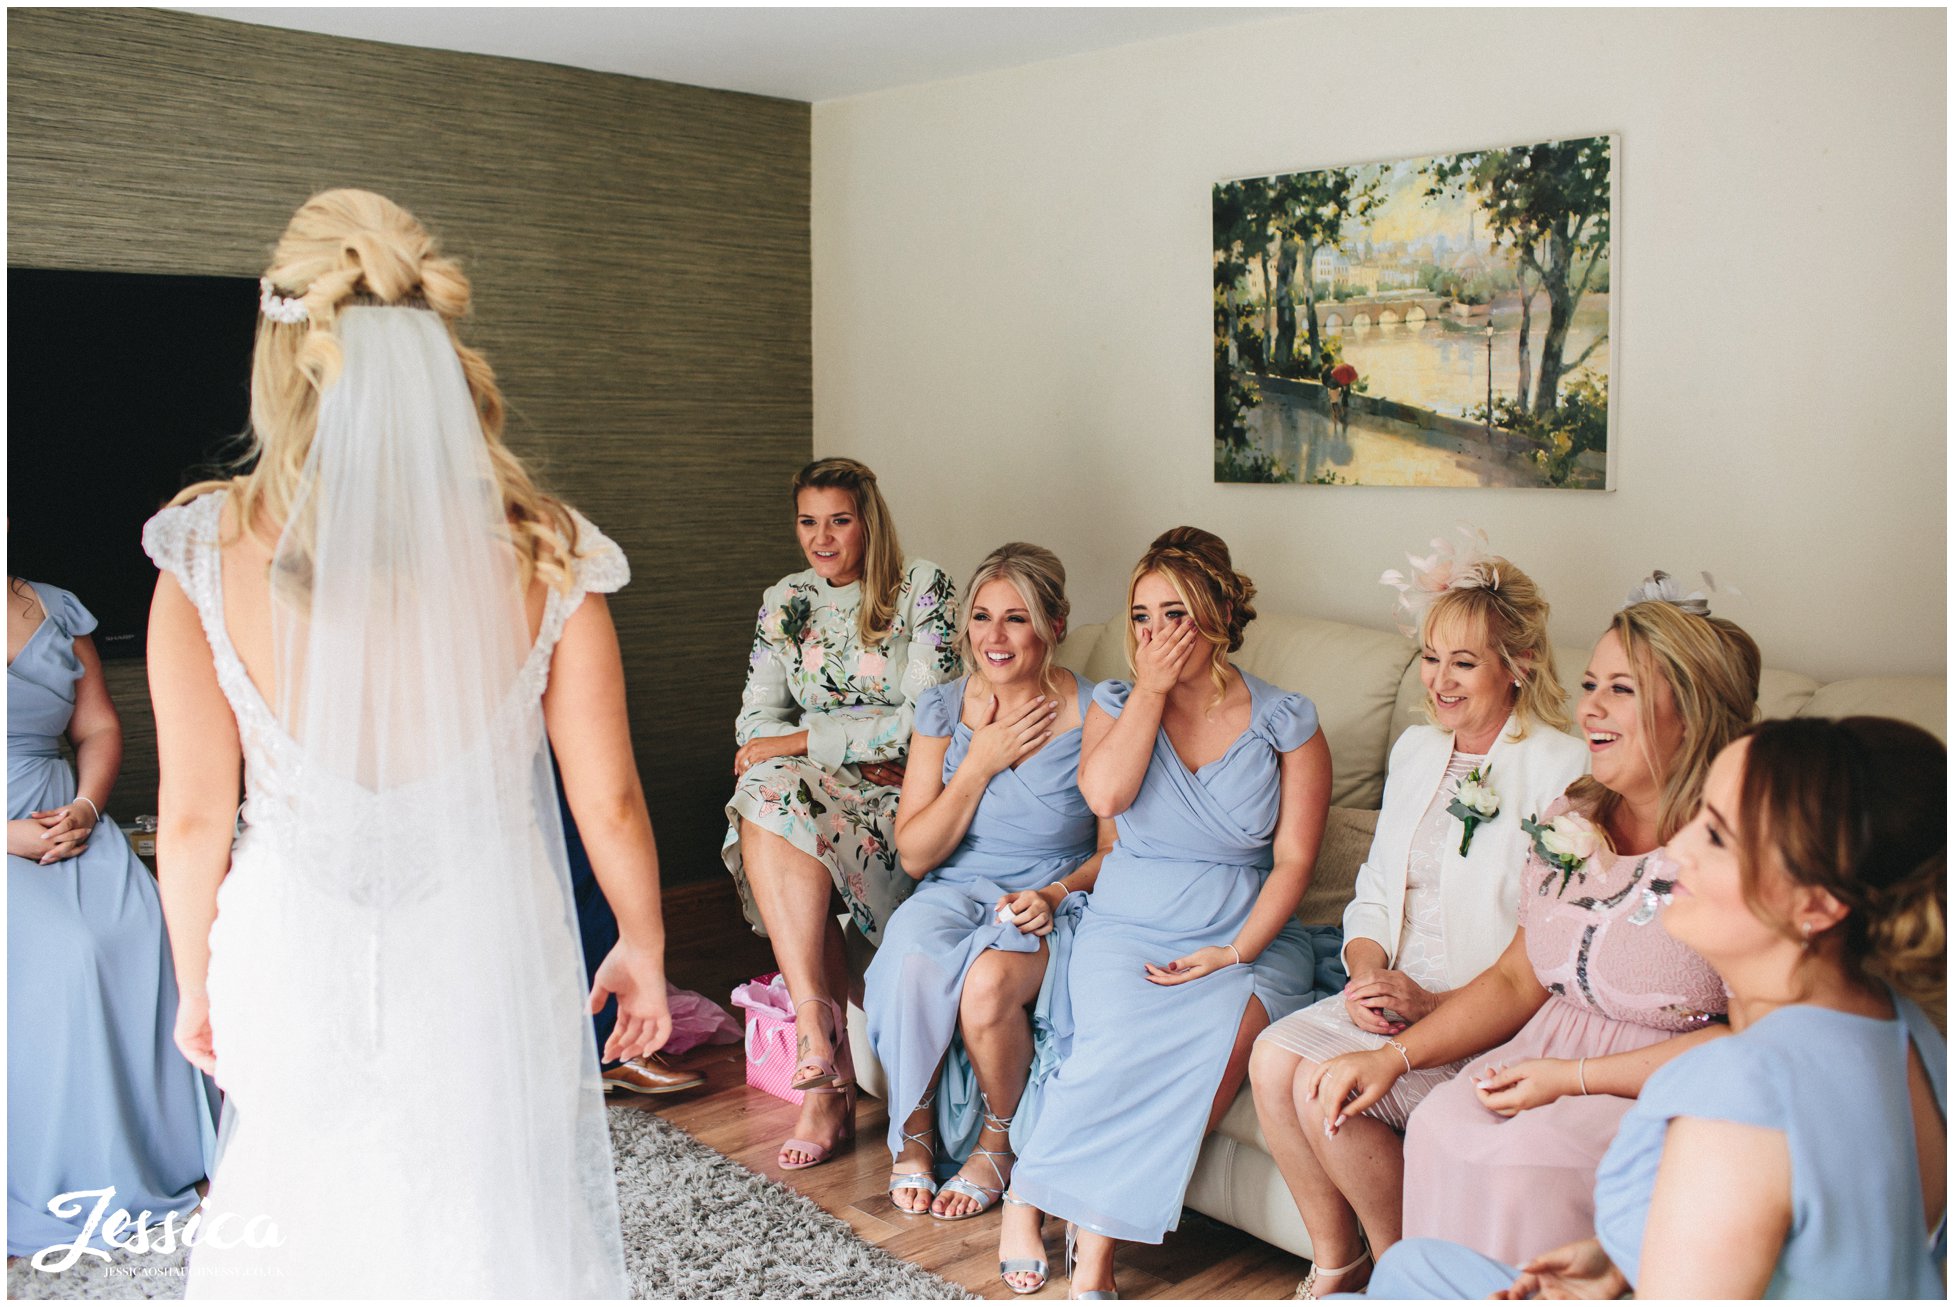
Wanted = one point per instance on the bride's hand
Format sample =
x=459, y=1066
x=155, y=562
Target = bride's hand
x=193, y=1032
x=644, y=1017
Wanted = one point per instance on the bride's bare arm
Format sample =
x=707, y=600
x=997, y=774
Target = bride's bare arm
x=584, y=711
x=202, y=776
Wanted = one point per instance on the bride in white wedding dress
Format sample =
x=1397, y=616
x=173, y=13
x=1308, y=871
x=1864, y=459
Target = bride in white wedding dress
x=375, y=636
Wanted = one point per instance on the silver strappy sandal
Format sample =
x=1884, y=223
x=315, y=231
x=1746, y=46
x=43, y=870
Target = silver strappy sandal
x=1008, y=1267
x=923, y=1180
x=986, y=1195
x=1084, y=1295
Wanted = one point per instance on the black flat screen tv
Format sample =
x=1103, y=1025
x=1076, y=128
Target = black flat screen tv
x=122, y=389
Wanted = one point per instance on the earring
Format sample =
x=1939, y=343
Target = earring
x=1516, y=685
x=1808, y=934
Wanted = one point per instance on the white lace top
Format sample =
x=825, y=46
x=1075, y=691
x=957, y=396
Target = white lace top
x=184, y=541
x=1421, y=949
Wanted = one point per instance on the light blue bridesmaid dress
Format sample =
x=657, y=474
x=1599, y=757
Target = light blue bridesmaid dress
x=1122, y=1122
x=97, y=1093
x=1835, y=1085
x=1031, y=827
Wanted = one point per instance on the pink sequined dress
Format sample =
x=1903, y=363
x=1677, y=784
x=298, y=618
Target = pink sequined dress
x=1515, y=1187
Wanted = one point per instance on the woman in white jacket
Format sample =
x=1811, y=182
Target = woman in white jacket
x=1436, y=901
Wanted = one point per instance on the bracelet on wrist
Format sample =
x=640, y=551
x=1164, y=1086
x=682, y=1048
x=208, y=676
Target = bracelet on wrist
x=83, y=798
x=1237, y=952
x=1402, y=1052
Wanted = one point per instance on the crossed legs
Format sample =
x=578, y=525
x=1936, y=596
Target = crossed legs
x=792, y=892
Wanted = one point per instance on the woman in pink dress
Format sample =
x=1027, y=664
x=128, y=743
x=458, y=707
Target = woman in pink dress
x=1591, y=996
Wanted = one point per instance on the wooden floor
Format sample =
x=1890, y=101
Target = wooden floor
x=1203, y=1259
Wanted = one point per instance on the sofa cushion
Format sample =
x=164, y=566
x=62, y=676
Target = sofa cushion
x=1921, y=700
x=1081, y=652
x=1346, y=843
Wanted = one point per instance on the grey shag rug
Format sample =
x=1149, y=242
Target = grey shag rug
x=696, y=1225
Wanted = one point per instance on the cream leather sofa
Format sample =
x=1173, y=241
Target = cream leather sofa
x=1365, y=685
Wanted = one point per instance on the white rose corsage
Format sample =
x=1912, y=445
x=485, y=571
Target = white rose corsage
x=1565, y=844
x=1474, y=801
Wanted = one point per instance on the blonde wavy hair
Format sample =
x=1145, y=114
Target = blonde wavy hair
x=1218, y=598
x=1712, y=668
x=875, y=618
x=1858, y=808
x=1512, y=613
x=1039, y=578
x=346, y=248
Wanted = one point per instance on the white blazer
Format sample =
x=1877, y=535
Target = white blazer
x=1479, y=894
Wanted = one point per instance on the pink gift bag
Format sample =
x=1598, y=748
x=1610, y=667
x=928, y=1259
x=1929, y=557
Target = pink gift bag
x=770, y=1041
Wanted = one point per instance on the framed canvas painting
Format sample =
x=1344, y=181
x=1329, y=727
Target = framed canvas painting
x=1444, y=320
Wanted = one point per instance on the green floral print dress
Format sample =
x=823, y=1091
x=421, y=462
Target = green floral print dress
x=810, y=671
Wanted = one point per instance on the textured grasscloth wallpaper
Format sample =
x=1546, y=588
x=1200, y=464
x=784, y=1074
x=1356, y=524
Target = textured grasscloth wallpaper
x=640, y=258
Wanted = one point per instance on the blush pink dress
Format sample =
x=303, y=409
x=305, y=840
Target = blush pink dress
x=1515, y=1187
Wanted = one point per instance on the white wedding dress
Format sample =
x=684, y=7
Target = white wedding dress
x=397, y=997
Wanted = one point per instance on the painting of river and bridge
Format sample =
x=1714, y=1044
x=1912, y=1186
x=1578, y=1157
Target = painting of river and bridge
x=1434, y=321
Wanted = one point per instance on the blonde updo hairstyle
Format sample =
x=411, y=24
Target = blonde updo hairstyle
x=1218, y=598
x=1039, y=578
x=875, y=616
x=1857, y=808
x=348, y=248
x=1712, y=667
x=1512, y=615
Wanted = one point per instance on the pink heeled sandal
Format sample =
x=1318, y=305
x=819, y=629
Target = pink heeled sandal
x=819, y=1153
x=824, y=1072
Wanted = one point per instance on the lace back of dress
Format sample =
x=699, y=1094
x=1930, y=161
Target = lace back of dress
x=418, y=836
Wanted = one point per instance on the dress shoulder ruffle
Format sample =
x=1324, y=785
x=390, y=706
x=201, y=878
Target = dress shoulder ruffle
x=601, y=567
x=939, y=707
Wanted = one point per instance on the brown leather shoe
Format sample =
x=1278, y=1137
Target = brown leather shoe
x=649, y=1075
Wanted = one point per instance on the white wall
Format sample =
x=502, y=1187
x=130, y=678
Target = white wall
x=1012, y=280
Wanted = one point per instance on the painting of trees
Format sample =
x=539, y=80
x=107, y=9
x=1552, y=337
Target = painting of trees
x=1423, y=321
x=1551, y=202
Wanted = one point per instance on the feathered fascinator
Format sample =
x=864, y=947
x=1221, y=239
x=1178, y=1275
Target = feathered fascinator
x=1465, y=565
x=1663, y=588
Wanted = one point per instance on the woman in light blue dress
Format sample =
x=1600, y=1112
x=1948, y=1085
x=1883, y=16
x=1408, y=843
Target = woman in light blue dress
x=98, y=1096
x=1189, y=946
x=1805, y=1155
x=965, y=1001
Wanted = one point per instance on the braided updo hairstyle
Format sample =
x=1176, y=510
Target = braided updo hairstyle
x=345, y=248
x=1858, y=808
x=1218, y=598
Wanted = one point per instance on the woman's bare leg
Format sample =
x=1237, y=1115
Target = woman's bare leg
x=994, y=1015
x=1255, y=1019
x=792, y=892
x=917, y=1158
x=1093, y=1264
x=1275, y=1073
x=1366, y=1164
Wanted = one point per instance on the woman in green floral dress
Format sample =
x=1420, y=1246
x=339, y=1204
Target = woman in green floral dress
x=842, y=651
